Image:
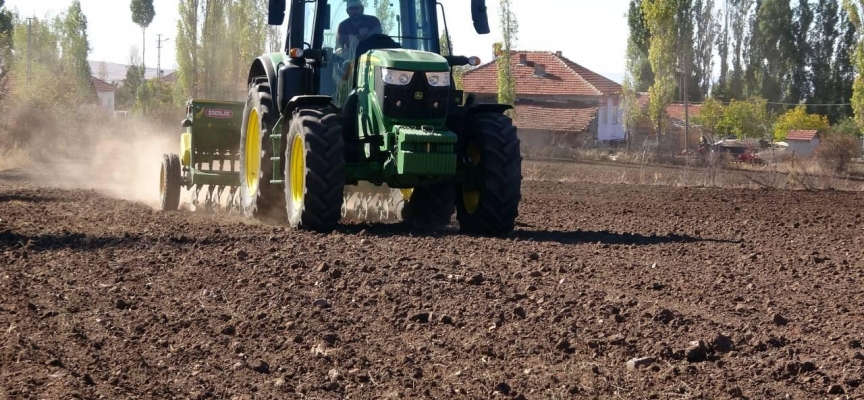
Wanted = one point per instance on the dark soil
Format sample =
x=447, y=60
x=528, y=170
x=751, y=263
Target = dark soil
x=712, y=293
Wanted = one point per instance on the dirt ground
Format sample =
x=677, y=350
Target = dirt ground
x=607, y=289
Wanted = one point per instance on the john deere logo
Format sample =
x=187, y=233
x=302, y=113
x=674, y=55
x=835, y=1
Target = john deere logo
x=418, y=95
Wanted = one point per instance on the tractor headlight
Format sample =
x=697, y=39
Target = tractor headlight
x=438, y=79
x=396, y=77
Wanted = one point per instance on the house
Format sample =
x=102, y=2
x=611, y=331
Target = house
x=558, y=103
x=802, y=143
x=675, y=123
x=105, y=91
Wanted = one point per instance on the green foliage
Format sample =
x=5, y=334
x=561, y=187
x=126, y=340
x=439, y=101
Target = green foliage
x=798, y=118
x=142, y=12
x=6, y=29
x=187, y=47
x=747, y=118
x=846, y=126
x=776, y=50
x=711, y=117
x=854, y=10
x=74, y=45
x=638, y=43
x=660, y=18
x=822, y=43
x=59, y=81
x=503, y=50
x=445, y=43
x=217, y=40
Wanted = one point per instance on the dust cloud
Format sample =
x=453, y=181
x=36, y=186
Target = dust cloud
x=120, y=158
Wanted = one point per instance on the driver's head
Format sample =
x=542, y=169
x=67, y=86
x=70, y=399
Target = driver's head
x=354, y=8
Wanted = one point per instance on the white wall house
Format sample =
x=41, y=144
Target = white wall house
x=105, y=91
x=609, y=116
x=802, y=143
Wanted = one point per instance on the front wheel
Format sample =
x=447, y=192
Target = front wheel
x=314, y=170
x=489, y=151
x=258, y=197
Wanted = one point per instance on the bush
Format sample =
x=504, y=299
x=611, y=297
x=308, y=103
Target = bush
x=836, y=151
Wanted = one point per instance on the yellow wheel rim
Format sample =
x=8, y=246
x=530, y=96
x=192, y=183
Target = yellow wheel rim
x=298, y=171
x=406, y=193
x=472, y=198
x=253, y=150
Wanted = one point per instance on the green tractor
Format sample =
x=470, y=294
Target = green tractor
x=341, y=107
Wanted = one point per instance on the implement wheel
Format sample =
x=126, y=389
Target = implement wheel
x=314, y=170
x=258, y=197
x=170, y=182
x=429, y=207
x=490, y=148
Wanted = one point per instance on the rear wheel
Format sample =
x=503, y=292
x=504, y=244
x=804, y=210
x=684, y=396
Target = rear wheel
x=430, y=207
x=314, y=170
x=490, y=148
x=258, y=197
x=170, y=182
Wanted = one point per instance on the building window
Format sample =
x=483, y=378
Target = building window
x=615, y=112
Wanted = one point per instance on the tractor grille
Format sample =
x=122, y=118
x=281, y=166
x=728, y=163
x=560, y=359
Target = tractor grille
x=401, y=102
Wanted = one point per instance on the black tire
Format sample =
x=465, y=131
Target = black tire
x=170, y=182
x=499, y=170
x=321, y=180
x=264, y=200
x=430, y=207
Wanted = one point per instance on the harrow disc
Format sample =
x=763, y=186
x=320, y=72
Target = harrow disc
x=367, y=202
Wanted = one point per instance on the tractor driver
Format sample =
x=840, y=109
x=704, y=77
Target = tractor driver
x=357, y=24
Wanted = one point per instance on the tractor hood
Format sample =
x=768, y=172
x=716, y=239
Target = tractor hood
x=405, y=59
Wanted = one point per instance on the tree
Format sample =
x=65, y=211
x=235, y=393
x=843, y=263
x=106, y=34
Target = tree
x=711, y=118
x=187, y=48
x=74, y=45
x=509, y=30
x=127, y=95
x=638, y=43
x=660, y=18
x=445, y=42
x=775, y=44
x=747, y=118
x=822, y=42
x=707, y=30
x=798, y=118
x=142, y=15
x=721, y=87
x=740, y=10
x=6, y=29
x=854, y=9
x=843, y=68
x=799, y=86
x=684, y=45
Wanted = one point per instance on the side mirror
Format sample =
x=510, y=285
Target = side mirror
x=276, y=12
x=478, y=14
x=187, y=123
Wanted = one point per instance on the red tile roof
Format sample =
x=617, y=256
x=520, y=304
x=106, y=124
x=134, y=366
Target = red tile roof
x=553, y=117
x=102, y=86
x=805, y=135
x=562, y=77
x=676, y=111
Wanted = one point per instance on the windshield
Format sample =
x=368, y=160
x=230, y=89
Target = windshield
x=409, y=23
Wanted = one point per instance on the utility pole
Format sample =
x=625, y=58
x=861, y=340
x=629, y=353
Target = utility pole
x=30, y=49
x=159, y=42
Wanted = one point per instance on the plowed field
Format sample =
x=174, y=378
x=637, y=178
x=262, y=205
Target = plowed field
x=704, y=292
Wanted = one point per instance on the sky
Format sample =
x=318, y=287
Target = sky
x=592, y=33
